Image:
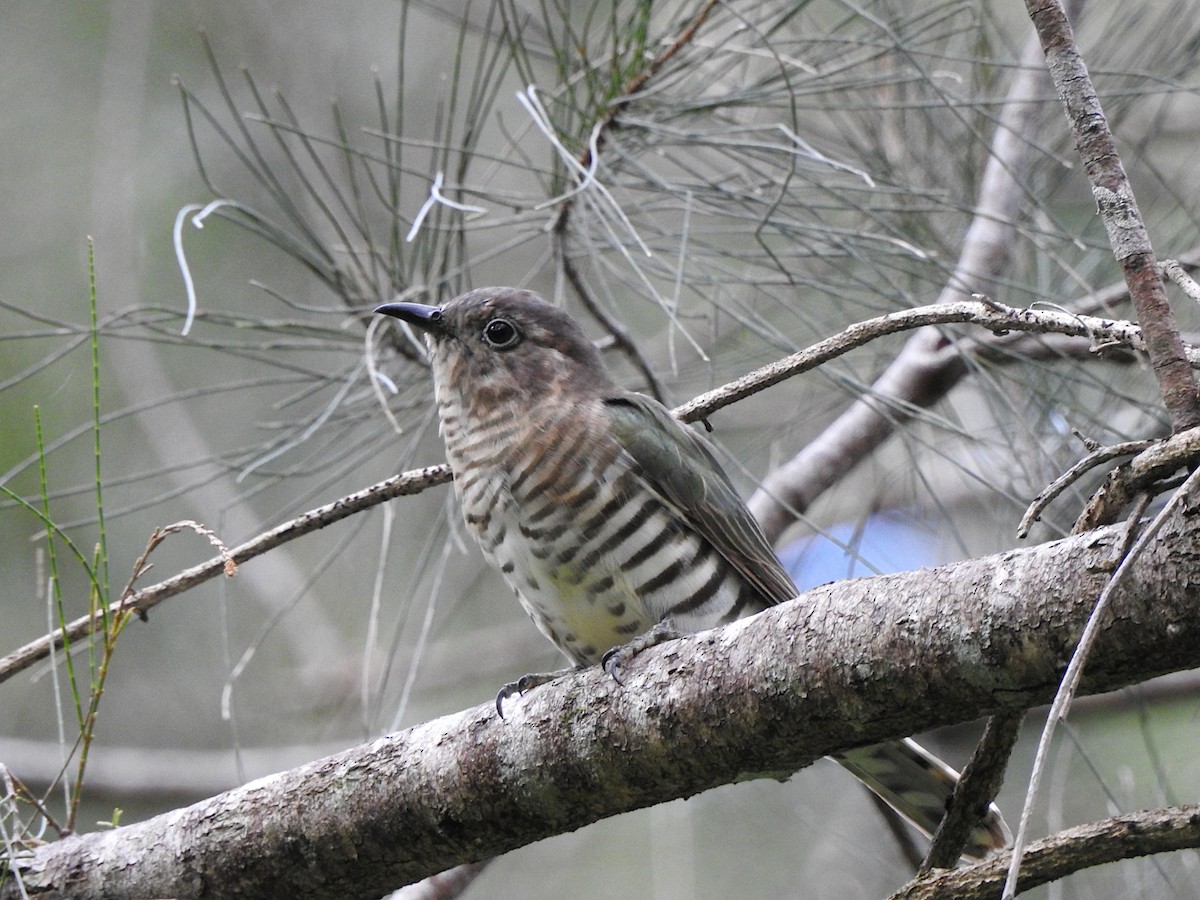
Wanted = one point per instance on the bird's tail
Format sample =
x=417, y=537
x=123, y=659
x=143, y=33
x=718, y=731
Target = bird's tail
x=918, y=786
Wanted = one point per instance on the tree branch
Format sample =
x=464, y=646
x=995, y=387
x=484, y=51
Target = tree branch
x=849, y=663
x=978, y=784
x=1096, y=457
x=995, y=317
x=1117, y=206
x=145, y=599
x=1081, y=847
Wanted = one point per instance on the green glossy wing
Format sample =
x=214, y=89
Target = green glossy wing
x=681, y=465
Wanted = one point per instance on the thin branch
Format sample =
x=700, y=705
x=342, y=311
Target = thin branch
x=1055, y=857
x=990, y=315
x=1161, y=460
x=140, y=601
x=1102, y=301
x=1117, y=206
x=1174, y=270
x=1097, y=457
x=995, y=317
x=978, y=784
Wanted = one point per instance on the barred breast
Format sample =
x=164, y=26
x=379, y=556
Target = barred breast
x=594, y=554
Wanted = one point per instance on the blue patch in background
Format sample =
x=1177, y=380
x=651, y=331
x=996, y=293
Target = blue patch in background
x=892, y=541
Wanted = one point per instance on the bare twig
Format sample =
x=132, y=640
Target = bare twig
x=1133, y=525
x=1176, y=272
x=1026, y=346
x=977, y=787
x=988, y=314
x=148, y=597
x=1164, y=457
x=1097, y=457
x=1081, y=847
x=1115, y=201
x=1160, y=460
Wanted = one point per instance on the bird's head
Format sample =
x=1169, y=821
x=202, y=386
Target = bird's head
x=508, y=346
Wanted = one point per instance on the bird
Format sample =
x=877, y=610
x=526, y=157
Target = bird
x=613, y=522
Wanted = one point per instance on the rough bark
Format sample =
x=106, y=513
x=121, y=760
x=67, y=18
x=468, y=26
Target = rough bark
x=849, y=663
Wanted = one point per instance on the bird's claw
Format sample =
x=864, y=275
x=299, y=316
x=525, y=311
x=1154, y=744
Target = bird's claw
x=617, y=657
x=612, y=661
x=523, y=685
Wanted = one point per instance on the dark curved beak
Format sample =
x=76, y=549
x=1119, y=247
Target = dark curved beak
x=427, y=318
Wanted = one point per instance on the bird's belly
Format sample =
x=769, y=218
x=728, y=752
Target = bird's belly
x=594, y=578
x=584, y=612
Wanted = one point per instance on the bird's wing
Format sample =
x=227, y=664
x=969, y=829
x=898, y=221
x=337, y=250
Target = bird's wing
x=681, y=465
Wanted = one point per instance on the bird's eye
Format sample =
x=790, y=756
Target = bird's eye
x=501, y=334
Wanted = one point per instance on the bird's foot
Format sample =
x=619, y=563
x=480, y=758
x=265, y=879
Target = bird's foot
x=618, y=657
x=526, y=683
